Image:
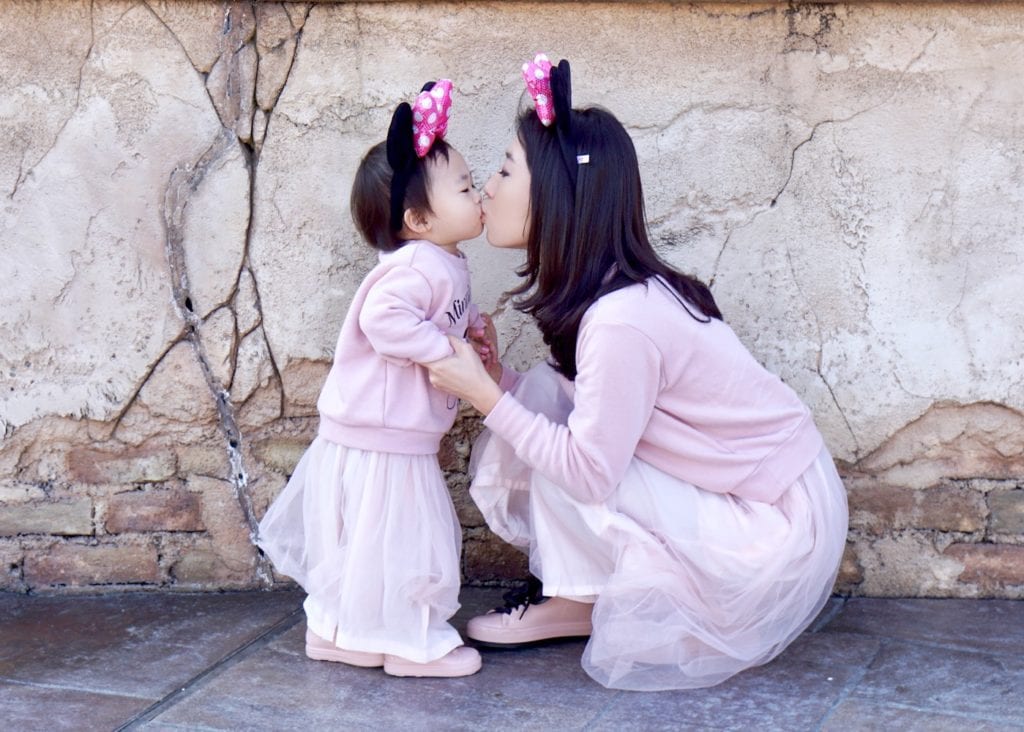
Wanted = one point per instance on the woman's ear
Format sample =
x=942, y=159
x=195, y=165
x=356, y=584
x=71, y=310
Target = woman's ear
x=415, y=221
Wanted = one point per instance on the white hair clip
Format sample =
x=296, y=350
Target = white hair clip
x=582, y=159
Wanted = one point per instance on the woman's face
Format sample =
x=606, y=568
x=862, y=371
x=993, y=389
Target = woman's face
x=506, y=201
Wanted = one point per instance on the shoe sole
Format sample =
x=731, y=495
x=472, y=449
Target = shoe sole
x=340, y=655
x=401, y=667
x=517, y=645
x=509, y=639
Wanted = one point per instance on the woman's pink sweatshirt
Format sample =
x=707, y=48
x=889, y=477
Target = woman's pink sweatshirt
x=377, y=396
x=685, y=396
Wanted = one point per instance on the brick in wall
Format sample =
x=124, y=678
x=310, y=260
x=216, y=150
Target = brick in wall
x=989, y=565
x=1007, y=512
x=11, y=558
x=203, y=460
x=203, y=564
x=851, y=573
x=485, y=557
x=63, y=518
x=81, y=564
x=131, y=465
x=281, y=454
x=154, y=510
x=879, y=508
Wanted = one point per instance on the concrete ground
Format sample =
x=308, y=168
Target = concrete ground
x=235, y=661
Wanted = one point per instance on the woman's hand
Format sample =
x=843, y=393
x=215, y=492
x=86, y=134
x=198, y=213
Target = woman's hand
x=485, y=343
x=464, y=375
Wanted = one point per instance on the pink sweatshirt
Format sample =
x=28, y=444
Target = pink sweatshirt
x=377, y=396
x=685, y=396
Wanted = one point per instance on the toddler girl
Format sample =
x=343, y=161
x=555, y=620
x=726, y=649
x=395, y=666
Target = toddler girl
x=366, y=524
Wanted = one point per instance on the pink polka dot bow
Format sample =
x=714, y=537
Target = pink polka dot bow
x=430, y=116
x=537, y=74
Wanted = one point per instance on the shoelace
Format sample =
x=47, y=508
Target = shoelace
x=522, y=597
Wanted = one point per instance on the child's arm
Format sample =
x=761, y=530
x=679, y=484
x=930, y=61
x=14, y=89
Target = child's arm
x=395, y=318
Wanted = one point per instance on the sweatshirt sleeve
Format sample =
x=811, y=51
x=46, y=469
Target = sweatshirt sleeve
x=395, y=318
x=618, y=380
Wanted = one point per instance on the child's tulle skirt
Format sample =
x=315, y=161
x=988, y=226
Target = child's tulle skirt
x=374, y=539
x=691, y=587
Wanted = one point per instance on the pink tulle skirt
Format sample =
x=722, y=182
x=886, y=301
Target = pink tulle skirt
x=374, y=539
x=690, y=587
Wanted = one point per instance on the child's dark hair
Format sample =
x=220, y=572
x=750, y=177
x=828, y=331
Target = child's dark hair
x=370, y=201
x=588, y=239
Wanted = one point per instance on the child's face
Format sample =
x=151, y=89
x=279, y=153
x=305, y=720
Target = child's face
x=455, y=202
x=507, y=203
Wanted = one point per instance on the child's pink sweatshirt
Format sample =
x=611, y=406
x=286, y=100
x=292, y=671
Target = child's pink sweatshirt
x=685, y=396
x=377, y=396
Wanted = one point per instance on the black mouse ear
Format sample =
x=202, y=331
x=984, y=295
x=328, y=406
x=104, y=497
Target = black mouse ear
x=400, y=157
x=399, y=147
x=561, y=91
x=428, y=86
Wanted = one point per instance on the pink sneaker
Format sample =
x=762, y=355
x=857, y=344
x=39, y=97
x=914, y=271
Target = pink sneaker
x=528, y=617
x=461, y=661
x=320, y=649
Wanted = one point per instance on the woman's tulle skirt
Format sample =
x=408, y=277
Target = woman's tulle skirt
x=691, y=586
x=374, y=540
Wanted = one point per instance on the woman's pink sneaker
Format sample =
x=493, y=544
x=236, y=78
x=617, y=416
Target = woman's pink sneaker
x=461, y=661
x=540, y=619
x=321, y=649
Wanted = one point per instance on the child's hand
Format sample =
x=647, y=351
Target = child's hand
x=485, y=343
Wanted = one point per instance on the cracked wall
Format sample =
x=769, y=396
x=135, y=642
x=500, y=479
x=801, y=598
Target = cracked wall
x=178, y=256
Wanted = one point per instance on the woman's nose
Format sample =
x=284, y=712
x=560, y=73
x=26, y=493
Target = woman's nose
x=488, y=190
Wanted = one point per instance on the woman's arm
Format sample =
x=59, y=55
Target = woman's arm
x=618, y=380
x=464, y=375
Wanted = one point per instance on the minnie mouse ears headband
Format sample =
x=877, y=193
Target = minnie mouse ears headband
x=537, y=75
x=412, y=133
x=551, y=89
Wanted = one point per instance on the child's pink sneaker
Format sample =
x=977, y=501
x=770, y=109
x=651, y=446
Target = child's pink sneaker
x=461, y=661
x=320, y=649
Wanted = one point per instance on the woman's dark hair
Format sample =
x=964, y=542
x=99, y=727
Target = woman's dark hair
x=589, y=238
x=370, y=201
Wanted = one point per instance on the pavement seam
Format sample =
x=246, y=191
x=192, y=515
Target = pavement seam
x=851, y=684
x=889, y=641
x=226, y=662
x=829, y=616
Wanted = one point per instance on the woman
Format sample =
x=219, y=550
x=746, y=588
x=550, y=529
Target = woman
x=675, y=498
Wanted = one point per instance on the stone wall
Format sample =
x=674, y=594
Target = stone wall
x=177, y=254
